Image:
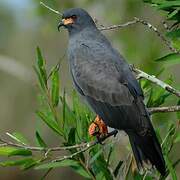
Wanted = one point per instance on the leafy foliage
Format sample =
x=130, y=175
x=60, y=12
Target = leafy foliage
x=70, y=121
x=172, y=11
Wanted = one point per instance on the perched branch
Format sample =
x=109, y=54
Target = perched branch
x=88, y=146
x=82, y=145
x=164, y=109
x=153, y=79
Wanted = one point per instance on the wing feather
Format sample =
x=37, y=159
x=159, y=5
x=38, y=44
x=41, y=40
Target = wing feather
x=102, y=74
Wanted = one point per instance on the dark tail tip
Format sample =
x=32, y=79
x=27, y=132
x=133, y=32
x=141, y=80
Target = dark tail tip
x=147, y=148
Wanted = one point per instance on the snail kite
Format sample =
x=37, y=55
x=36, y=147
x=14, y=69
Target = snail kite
x=102, y=76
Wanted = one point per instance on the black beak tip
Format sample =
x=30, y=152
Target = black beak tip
x=60, y=25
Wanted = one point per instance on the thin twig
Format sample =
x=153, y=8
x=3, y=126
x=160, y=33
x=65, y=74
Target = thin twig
x=153, y=79
x=89, y=146
x=164, y=109
x=33, y=148
x=46, y=6
x=159, y=34
x=46, y=173
x=118, y=26
x=145, y=23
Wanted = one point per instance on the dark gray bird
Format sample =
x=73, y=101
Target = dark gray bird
x=102, y=76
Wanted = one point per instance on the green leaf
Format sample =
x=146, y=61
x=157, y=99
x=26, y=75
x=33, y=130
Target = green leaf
x=16, y=162
x=173, y=34
x=23, y=163
x=18, y=137
x=177, y=139
x=173, y=14
x=71, y=136
x=41, y=69
x=50, y=122
x=170, y=167
x=29, y=164
x=170, y=59
x=40, y=140
x=95, y=156
x=12, y=151
x=64, y=107
x=99, y=166
x=5, y=151
x=169, y=4
x=41, y=82
x=21, y=152
x=55, y=87
x=66, y=163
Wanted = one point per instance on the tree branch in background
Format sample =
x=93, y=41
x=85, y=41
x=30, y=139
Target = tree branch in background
x=145, y=23
x=55, y=11
x=164, y=109
x=167, y=87
x=16, y=69
x=118, y=26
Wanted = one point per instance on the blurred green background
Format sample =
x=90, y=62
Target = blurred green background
x=24, y=25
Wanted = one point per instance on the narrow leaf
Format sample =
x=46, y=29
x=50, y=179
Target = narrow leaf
x=21, y=152
x=18, y=137
x=16, y=162
x=170, y=167
x=174, y=34
x=41, y=68
x=55, y=87
x=66, y=163
x=29, y=164
x=170, y=59
x=169, y=4
x=40, y=141
x=50, y=122
x=177, y=139
x=12, y=151
x=5, y=151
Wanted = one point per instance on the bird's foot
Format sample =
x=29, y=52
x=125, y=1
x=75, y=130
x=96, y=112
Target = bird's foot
x=98, y=128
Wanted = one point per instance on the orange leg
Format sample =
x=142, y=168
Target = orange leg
x=98, y=127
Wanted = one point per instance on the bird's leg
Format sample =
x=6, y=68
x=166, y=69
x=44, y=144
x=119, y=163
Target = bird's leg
x=98, y=128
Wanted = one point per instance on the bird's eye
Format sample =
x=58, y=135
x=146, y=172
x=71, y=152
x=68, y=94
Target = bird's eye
x=74, y=17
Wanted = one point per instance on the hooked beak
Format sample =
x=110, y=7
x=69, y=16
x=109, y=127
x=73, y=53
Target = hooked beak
x=61, y=24
x=65, y=22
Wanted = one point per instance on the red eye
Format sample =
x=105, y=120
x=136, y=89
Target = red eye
x=74, y=17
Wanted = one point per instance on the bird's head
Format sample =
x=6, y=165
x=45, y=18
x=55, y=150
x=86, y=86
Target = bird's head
x=75, y=20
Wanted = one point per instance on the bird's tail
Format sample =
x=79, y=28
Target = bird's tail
x=147, y=149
